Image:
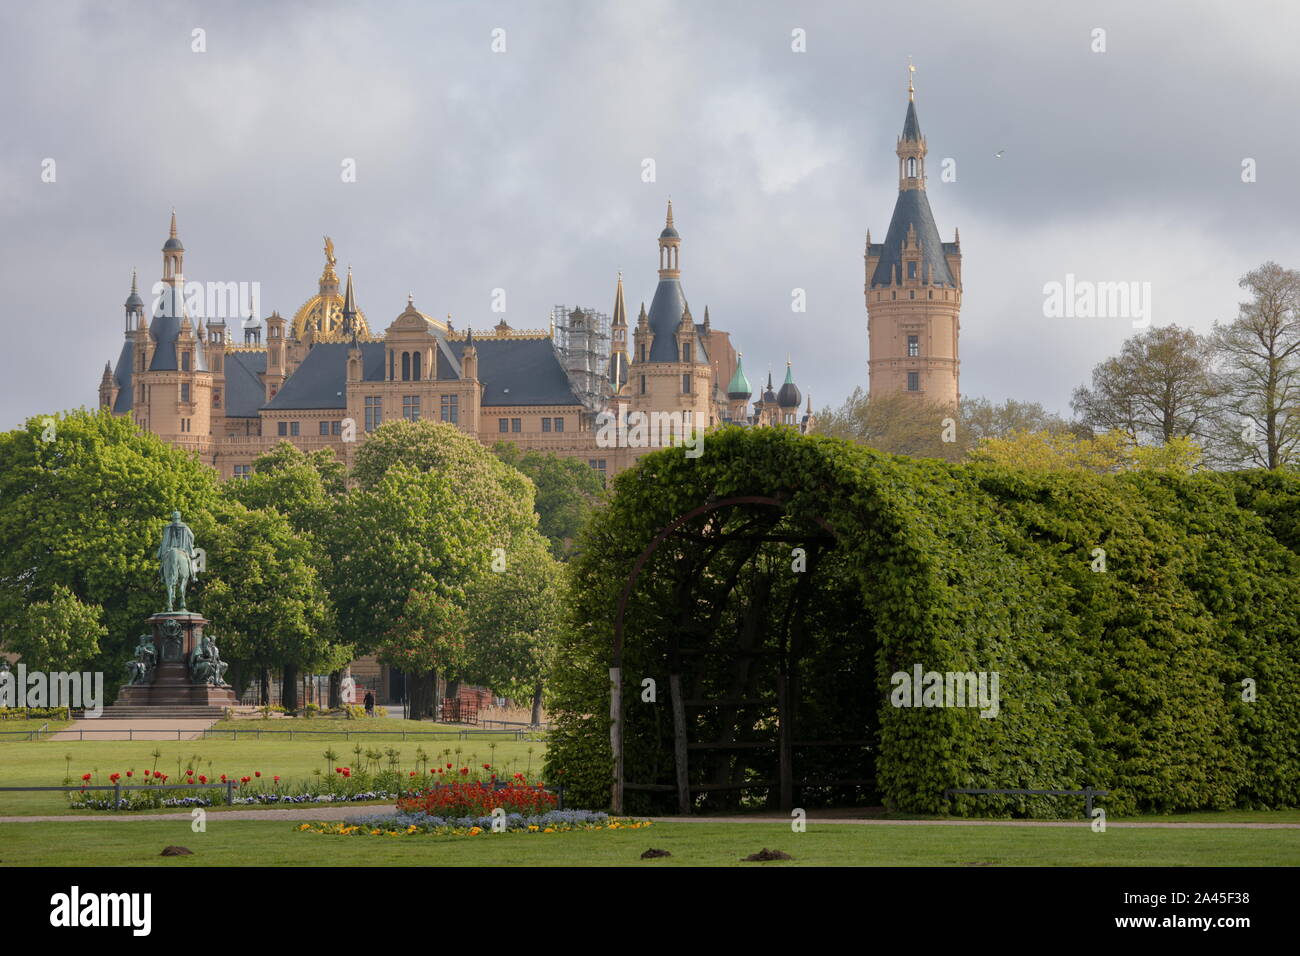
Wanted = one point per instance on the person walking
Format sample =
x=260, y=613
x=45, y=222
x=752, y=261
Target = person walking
x=370, y=704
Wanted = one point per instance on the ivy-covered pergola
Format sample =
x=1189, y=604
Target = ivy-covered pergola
x=737, y=619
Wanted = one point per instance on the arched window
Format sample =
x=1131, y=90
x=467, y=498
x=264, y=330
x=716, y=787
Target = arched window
x=911, y=166
x=415, y=366
x=406, y=366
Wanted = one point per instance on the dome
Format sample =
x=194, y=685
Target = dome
x=134, y=301
x=739, y=387
x=789, y=396
x=669, y=233
x=173, y=243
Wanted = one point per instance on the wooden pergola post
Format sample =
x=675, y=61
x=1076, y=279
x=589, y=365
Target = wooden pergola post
x=616, y=736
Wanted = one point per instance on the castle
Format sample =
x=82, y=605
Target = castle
x=325, y=380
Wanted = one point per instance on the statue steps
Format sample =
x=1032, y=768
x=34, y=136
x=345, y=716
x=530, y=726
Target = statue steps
x=159, y=712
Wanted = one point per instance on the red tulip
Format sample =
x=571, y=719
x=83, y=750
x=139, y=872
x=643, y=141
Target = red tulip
x=85, y=776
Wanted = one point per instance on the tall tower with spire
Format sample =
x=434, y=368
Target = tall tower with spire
x=913, y=287
x=671, y=370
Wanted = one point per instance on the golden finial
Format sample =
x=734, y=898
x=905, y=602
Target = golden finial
x=911, y=90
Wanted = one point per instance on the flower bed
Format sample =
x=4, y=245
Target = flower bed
x=407, y=823
x=463, y=799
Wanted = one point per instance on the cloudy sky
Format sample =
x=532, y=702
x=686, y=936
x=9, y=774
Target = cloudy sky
x=522, y=169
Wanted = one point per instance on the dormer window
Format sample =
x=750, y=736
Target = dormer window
x=185, y=361
x=911, y=270
x=686, y=352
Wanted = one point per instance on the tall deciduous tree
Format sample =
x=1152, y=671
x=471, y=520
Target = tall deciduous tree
x=568, y=491
x=1259, y=359
x=60, y=634
x=515, y=617
x=1161, y=386
x=266, y=598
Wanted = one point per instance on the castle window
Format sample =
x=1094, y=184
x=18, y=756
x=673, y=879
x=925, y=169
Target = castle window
x=216, y=398
x=686, y=383
x=911, y=294
x=415, y=366
x=686, y=352
x=450, y=408
x=643, y=358
x=913, y=346
x=324, y=428
x=410, y=403
x=932, y=293
x=559, y=424
x=293, y=428
x=642, y=384
x=406, y=366
x=336, y=428
x=374, y=412
x=185, y=391
x=503, y=424
x=893, y=295
x=516, y=424
x=911, y=166
x=185, y=361
x=911, y=270
x=243, y=472
x=391, y=359
x=282, y=428
x=913, y=381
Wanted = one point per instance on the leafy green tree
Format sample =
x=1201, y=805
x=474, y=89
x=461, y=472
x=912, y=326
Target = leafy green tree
x=60, y=634
x=1161, y=386
x=433, y=510
x=1110, y=453
x=514, y=618
x=981, y=418
x=267, y=599
x=568, y=491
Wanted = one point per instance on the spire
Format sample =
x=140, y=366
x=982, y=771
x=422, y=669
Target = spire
x=642, y=319
x=172, y=234
x=911, y=71
x=349, y=307
x=707, y=326
x=789, y=396
x=669, y=248
x=620, y=310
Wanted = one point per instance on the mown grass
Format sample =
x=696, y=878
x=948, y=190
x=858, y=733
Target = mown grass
x=266, y=843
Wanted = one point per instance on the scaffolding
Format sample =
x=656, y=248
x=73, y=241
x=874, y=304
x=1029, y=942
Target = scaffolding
x=582, y=340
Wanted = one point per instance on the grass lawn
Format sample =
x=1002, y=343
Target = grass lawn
x=46, y=763
x=258, y=843
x=26, y=725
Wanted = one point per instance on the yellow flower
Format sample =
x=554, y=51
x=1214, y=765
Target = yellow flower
x=549, y=830
x=475, y=831
x=532, y=828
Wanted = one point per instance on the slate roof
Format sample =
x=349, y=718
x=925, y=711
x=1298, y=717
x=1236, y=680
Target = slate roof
x=163, y=329
x=122, y=379
x=911, y=125
x=912, y=209
x=244, y=390
x=528, y=368
x=321, y=380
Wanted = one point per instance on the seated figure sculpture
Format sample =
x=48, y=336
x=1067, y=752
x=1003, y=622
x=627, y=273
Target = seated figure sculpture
x=206, y=665
x=140, y=668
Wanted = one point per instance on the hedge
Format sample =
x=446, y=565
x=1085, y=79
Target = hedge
x=1128, y=679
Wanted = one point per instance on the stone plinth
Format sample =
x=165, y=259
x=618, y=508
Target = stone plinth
x=175, y=635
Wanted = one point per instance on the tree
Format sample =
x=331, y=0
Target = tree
x=61, y=634
x=1259, y=358
x=1161, y=386
x=981, y=419
x=83, y=499
x=514, y=619
x=298, y=486
x=1110, y=453
x=434, y=509
x=567, y=492
x=897, y=424
x=267, y=599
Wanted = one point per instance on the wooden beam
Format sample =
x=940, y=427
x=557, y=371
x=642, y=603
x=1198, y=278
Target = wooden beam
x=679, y=745
x=616, y=736
x=786, y=770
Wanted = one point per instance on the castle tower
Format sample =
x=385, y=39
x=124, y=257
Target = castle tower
x=174, y=387
x=670, y=369
x=788, y=398
x=116, y=389
x=913, y=288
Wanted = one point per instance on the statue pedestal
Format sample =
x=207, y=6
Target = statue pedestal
x=175, y=635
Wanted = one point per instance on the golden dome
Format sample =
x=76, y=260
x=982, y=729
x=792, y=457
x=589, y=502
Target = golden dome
x=323, y=312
